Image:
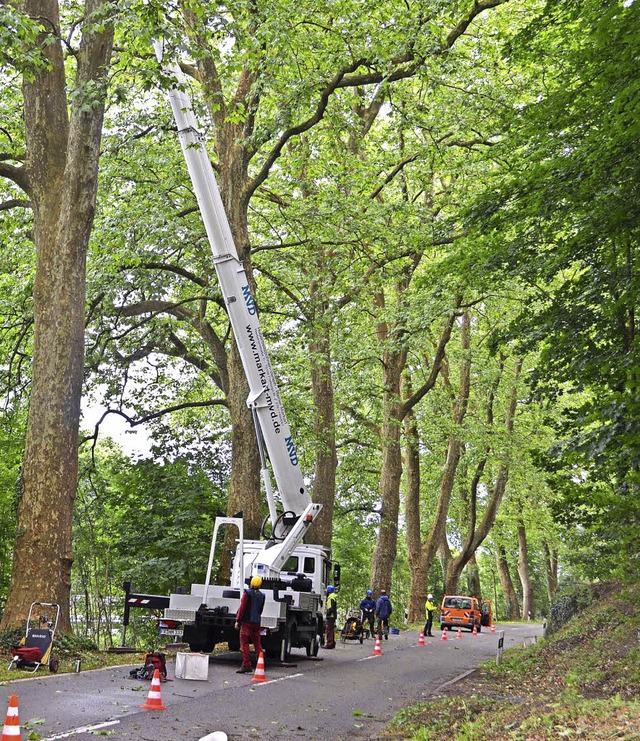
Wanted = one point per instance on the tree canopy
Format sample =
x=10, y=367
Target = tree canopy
x=437, y=208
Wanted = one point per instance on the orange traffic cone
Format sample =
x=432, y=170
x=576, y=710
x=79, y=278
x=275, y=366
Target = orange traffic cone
x=259, y=675
x=493, y=628
x=459, y=633
x=11, y=730
x=421, y=639
x=474, y=632
x=154, y=701
x=443, y=637
x=377, y=649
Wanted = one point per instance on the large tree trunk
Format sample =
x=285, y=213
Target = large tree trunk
x=244, y=488
x=444, y=556
x=234, y=183
x=473, y=578
x=384, y=555
x=62, y=167
x=417, y=570
x=528, y=605
x=395, y=410
x=324, y=489
x=420, y=561
x=512, y=606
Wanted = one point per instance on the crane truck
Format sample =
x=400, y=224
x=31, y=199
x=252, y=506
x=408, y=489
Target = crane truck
x=295, y=574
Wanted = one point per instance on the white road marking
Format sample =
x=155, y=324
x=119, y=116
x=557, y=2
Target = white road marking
x=280, y=679
x=82, y=729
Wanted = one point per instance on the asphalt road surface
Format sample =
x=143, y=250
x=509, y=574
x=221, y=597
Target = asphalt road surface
x=345, y=693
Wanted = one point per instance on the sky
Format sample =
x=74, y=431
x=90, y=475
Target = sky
x=134, y=441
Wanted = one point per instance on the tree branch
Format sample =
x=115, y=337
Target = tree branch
x=14, y=203
x=135, y=421
x=406, y=66
x=445, y=336
x=396, y=170
x=16, y=174
x=168, y=268
x=300, y=128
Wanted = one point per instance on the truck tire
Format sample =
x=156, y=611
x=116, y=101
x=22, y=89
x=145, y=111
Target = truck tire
x=313, y=646
x=287, y=641
x=199, y=639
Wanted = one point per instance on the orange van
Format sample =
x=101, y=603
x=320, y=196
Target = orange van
x=460, y=611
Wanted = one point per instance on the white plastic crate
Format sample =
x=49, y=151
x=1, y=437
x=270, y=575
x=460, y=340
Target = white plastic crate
x=192, y=666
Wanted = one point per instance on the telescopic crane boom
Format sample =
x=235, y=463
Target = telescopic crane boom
x=295, y=574
x=272, y=429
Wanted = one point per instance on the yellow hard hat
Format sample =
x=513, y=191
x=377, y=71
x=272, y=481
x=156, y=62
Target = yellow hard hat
x=256, y=582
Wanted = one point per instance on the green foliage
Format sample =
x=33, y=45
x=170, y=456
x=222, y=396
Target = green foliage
x=10, y=638
x=562, y=217
x=149, y=522
x=12, y=430
x=18, y=37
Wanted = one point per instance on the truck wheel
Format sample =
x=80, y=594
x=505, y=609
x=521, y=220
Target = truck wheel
x=199, y=638
x=287, y=641
x=313, y=646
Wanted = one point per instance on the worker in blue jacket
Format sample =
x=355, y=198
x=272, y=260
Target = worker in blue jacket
x=368, y=609
x=384, y=608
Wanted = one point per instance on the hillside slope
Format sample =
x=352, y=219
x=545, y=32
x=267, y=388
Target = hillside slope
x=582, y=682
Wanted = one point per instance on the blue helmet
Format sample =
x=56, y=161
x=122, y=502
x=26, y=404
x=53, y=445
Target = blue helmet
x=369, y=593
x=330, y=589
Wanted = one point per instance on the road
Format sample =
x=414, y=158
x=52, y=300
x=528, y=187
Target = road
x=346, y=693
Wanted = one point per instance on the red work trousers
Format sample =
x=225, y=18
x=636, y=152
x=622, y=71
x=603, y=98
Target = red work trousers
x=249, y=633
x=331, y=633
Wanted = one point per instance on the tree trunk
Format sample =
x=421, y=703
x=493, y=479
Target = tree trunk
x=61, y=165
x=324, y=489
x=477, y=535
x=384, y=555
x=437, y=533
x=417, y=570
x=473, y=578
x=512, y=607
x=551, y=564
x=444, y=557
x=528, y=606
x=233, y=181
x=244, y=487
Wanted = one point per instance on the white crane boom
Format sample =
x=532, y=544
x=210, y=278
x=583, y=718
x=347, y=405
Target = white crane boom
x=264, y=396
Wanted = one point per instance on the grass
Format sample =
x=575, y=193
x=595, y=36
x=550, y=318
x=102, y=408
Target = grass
x=68, y=648
x=581, y=683
x=91, y=659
